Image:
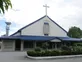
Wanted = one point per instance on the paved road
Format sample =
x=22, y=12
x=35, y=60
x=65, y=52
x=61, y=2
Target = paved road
x=21, y=57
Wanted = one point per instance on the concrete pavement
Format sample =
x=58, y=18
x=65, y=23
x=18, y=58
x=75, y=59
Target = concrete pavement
x=21, y=57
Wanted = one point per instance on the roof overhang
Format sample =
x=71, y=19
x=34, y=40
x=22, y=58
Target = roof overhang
x=69, y=39
x=41, y=38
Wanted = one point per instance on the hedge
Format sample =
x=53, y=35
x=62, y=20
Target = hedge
x=52, y=53
x=74, y=50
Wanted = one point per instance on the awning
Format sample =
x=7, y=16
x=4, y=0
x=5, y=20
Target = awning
x=9, y=37
x=41, y=38
x=36, y=38
x=69, y=39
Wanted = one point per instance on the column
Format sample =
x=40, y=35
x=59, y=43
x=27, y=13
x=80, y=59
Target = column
x=55, y=45
x=13, y=45
x=2, y=46
x=22, y=45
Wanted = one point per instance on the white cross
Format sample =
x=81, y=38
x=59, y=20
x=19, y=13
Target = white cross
x=46, y=8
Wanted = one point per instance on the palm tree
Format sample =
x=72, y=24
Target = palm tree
x=4, y=5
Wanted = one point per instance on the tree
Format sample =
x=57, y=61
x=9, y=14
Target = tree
x=74, y=32
x=4, y=5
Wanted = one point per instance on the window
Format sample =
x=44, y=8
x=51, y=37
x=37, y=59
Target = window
x=46, y=34
x=46, y=28
x=28, y=44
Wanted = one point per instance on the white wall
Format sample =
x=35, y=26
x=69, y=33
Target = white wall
x=34, y=29
x=8, y=45
x=56, y=30
x=37, y=29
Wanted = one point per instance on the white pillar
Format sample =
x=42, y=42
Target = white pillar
x=2, y=46
x=22, y=45
x=13, y=45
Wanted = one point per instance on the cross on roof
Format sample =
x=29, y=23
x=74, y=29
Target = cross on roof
x=46, y=8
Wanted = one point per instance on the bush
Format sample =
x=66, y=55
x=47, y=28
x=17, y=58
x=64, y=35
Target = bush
x=38, y=49
x=45, y=45
x=77, y=49
x=31, y=53
x=77, y=44
x=38, y=52
x=64, y=52
x=55, y=52
x=43, y=53
x=66, y=48
x=47, y=53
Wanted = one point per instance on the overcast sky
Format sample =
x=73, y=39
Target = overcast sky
x=66, y=13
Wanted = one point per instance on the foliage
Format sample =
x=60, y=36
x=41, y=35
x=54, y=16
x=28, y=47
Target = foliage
x=45, y=45
x=55, y=53
x=76, y=49
x=4, y=5
x=77, y=44
x=66, y=48
x=38, y=49
x=75, y=32
x=43, y=53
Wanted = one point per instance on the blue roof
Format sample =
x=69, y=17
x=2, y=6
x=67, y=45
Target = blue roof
x=9, y=37
x=41, y=38
x=69, y=39
x=37, y=21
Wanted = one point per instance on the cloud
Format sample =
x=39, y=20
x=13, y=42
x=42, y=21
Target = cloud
x=66, y=13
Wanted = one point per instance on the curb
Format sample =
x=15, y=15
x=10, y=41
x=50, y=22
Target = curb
x=55, y=57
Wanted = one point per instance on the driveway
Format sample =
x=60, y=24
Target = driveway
x=21, y=57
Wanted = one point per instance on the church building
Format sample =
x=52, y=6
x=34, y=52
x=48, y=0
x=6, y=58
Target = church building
x=35, y=34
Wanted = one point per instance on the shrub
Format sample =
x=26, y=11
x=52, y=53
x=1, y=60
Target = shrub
x=66, y=48
x=31, y=53
x=38, y=49
x=55, y=52
x=77, y=49
x=47, y=53
x=38, y=52
x=77, y=44
x=42, y=53
x=45, y=45
x=64, y=52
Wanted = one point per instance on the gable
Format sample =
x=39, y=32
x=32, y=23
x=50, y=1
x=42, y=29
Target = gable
x=36, y=28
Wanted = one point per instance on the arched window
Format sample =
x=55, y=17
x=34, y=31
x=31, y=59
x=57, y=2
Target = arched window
x=46, y=28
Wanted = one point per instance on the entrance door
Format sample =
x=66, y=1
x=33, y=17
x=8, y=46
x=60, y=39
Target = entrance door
x=17, y=45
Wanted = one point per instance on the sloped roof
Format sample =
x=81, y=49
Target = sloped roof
x=69, y=39
x=40, y=38
x=37, y=21
x=25, y=37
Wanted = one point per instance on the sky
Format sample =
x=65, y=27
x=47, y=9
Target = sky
x=66, y=13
